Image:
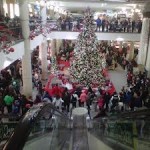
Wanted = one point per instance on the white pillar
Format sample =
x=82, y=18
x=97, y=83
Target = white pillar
x=43, y=58
x=52, y=14
x=131, y=51
x=109, y=43
x=145, y=35
x=58, y=45
x=43, y=47
x=26, y=60
x=43, y=14
x=120, y=45
x=53, y=47
x=148, y=60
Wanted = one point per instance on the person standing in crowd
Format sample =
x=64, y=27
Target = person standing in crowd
x=100, y=102
x=46, y=97
x=139, y=26
x=133, y=25
x=40, y=87
x=37, y=99
x=57, y=101
x=114, y=101
x=98, y=24
x=83, y=98
x=74, y=99
x=129, y=78
x=16, y=105
x=66, y=98
x=9, y=99
x=103, y=24
x=16, y=85
x=25, y=104
x=107, y=99
x=7, y=18
x=56, y=90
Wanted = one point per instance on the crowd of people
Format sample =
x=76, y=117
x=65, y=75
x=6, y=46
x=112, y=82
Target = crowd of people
x=12, y=99
x=11, y=26
x=66, y=49
x=118, y=25
x=135, y=94
x=102, y=24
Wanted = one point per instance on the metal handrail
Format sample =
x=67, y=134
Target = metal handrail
x=23, y=129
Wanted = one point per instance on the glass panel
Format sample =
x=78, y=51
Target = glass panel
x=49, y=132
x=127, y=134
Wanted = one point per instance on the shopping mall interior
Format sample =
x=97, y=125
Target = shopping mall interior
x=75, y=74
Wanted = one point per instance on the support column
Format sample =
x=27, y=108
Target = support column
x=109, y=43
x=131, y=51
x=145, y=36
x=43, y=49
x=26, y=60
x=43, y=57
x=53, y=48
x=148, y=61
x=58, y=45
x=10, y=2
x=120, y=45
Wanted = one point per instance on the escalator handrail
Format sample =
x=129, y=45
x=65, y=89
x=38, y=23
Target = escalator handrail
x=18, y=138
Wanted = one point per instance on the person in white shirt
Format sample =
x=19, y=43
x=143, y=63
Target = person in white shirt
x=74, y=99
x=57, y=101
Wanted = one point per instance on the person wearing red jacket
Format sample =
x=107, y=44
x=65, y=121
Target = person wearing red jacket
x=56, y=91
x=83, y=98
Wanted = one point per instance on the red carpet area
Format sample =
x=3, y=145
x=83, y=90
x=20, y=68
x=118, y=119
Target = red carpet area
x=63, y=80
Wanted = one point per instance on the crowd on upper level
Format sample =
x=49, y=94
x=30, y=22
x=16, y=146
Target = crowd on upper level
x=102, y=24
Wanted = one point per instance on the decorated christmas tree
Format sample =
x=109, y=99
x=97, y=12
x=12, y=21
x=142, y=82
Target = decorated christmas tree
x=88, y=62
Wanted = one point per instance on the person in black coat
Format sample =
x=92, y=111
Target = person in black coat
x=66, y=98
x=107, y=99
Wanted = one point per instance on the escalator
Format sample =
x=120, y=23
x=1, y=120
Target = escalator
x=42, y=127
x=45, y=127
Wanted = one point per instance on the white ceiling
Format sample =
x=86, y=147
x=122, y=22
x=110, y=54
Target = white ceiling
x=97, y=5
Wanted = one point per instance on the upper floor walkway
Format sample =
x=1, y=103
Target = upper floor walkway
x=7, y=59
x=115, y=36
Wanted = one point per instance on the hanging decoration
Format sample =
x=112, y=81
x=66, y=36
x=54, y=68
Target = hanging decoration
x=7, y=48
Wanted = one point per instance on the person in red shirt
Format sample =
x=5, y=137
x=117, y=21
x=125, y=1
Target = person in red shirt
x=83, y=98
x=56, y=91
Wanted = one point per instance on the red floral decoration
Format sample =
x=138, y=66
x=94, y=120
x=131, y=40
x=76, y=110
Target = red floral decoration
x=11, y=49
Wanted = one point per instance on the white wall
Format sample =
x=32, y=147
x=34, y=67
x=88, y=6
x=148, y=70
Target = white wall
x=100, y=36
x=7, y=59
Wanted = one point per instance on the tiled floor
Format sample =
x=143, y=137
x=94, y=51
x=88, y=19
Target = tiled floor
x=118, y=77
